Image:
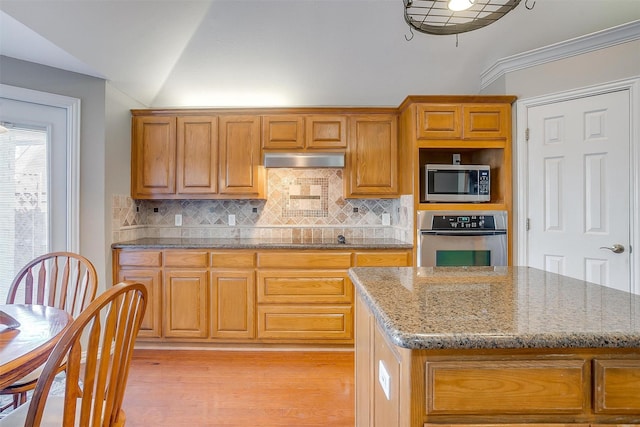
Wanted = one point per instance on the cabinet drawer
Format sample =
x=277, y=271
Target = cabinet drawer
x=140, y=258
x=186, y=258
x=507, y=387
x=233, y=259
x=305, y=322
x=304, y=286
x=617, y=386
x=382, y=259
x=304, y=260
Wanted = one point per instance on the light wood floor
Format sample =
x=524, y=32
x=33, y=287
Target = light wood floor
x=230, y=388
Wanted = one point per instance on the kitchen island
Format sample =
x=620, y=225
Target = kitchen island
x=493, y=345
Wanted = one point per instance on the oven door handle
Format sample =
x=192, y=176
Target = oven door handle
x=464, y=233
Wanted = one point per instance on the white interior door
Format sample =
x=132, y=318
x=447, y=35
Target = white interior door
x=579, y=184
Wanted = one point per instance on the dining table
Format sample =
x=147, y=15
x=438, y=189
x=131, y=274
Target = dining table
x=26, y=343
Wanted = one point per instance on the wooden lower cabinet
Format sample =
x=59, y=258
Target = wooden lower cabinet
x=306, y=323
x=232, y=302
x=399, y=387
x=247, y=296
x=185, y=304
x=152, y=323
x=314, y=304
x=143, y=266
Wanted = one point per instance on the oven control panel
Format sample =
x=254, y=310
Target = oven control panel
x=461, y=222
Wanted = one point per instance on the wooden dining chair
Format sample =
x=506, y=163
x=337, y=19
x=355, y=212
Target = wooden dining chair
x=98, y=346
x=64, y=280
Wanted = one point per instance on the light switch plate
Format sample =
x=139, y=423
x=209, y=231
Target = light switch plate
x=178, y=220
x=232, y=220
x=386, y=219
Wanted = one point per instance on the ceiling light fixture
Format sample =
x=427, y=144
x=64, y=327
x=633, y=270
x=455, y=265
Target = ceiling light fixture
x=443, y=17
x=460, y=5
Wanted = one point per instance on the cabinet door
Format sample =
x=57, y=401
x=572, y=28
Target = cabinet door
x=153, y=157
x=439, y=121
x=197, y=155
x=283, y=132
x=240, y=174
x=185, y=303
x=486, y=121
x=372, y=166
x=326, y=132
x=232, y=302
x=152, y=323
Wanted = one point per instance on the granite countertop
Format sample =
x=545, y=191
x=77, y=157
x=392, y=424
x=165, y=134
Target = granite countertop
x=496, y=308
x=215, y=243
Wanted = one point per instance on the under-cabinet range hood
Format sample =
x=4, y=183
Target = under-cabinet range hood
x=304, y=160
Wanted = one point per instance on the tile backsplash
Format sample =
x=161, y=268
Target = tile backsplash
x=300, y=204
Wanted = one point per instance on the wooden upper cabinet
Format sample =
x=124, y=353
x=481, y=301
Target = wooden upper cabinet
x=197, y=155
x=372, y=162
x=283, y=132
x=153, y=157
x=439, y=121
x=486, y=121
x=240, y=173
x=463, y=121
x=324, y=131
x=304, y=132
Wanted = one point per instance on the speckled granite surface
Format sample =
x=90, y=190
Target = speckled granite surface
x=194, y=243
x=496, y=307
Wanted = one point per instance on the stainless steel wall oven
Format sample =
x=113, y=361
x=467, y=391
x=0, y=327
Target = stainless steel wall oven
x=462, y=238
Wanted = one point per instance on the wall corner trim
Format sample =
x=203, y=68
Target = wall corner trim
x=588, y=43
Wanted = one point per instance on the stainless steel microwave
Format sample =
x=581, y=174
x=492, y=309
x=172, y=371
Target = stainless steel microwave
x=456, y=183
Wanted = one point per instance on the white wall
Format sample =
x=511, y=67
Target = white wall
x=614, y=63
x=609, y=64
x=117, y=157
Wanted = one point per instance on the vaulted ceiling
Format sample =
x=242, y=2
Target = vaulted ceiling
x=281, y=52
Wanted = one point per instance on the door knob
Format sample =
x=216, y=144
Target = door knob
x=616, y=249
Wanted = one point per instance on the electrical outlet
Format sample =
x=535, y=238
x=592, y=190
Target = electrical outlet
x=386, y=219
x=232, y=220
x=384, y=379
x=178, y=220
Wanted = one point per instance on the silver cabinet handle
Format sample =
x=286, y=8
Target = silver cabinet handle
x=616, y=249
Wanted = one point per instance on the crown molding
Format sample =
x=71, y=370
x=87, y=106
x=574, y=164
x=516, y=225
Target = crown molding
x=577, y=46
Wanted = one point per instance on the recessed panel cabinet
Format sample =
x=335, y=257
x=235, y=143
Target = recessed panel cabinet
x=196, y=157
x=247, y=296
x=144, y=267
x=372, y=157
x=241, y=175
x=472, y=121
x=153, y=157
x=304, y=132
